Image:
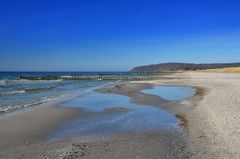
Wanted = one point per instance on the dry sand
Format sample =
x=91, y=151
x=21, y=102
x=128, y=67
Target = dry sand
x=214, y=122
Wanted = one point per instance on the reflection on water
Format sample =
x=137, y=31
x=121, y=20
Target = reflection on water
x=139, y=118
x=171, y=92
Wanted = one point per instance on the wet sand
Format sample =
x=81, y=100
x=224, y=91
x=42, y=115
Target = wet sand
x=31, y=126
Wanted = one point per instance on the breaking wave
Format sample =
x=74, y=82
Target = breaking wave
x=13, y=92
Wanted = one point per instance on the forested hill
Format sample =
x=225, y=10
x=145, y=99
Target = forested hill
x=182, y=66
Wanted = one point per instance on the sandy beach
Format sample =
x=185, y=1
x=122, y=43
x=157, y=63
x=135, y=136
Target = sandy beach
x=214, y=120
x=212, y=129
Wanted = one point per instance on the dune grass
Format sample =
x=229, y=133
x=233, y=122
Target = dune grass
x=228, y=69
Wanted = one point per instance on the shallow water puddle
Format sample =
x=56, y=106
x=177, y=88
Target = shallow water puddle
x=171, y=92
x=137, y=118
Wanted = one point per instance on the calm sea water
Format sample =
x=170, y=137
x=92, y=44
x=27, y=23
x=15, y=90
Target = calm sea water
x=16, y=94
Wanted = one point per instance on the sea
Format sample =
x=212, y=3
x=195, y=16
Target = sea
x=16, y=94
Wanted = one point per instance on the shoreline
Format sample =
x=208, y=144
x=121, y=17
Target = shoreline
x=32, y=135
x=211, y=130
x=29, y=138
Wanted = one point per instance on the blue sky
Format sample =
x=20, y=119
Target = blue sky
x=116, y=35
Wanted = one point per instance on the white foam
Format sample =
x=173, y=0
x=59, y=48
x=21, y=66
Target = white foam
x=3, y=82
x=13, y=92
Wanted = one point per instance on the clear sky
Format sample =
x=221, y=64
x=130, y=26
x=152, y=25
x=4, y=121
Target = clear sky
x=116, y=35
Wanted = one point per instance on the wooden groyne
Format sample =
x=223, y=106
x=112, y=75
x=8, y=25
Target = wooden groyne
x=104, y=77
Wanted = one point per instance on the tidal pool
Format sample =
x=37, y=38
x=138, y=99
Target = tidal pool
x=171, y=92
x=138, y=118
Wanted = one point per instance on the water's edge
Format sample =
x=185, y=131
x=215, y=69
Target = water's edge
x=125, y=116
